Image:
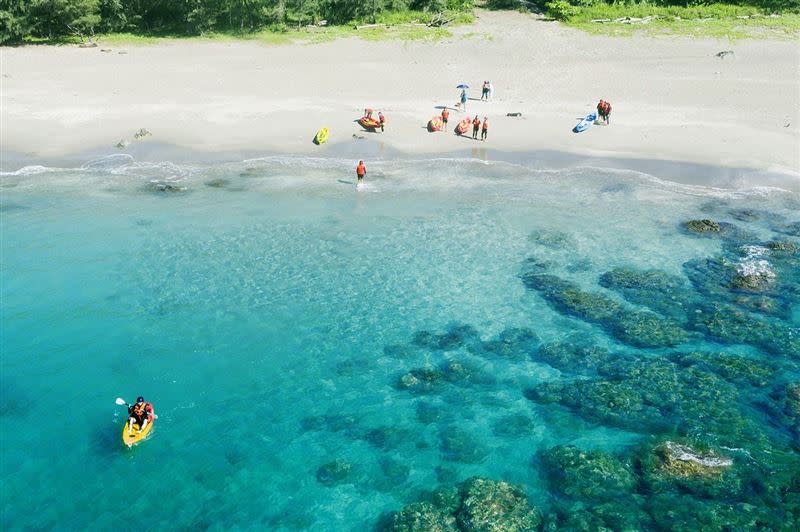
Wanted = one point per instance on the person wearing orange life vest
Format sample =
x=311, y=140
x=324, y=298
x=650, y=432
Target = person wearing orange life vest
x=476, y=125
x=485, y=128
x=141, y=413
x=361, y=171
x=382, y=120
x=445, y=116
x=604, y=110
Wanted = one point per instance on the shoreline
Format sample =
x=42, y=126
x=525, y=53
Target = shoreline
x=676, y=172
x=674, y=100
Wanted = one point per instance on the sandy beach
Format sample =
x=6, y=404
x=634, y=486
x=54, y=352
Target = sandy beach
x=673, y=98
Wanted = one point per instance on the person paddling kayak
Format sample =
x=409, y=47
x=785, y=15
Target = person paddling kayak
x=141, y=413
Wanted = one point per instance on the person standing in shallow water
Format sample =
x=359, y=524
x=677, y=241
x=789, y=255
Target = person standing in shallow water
x=361, y=171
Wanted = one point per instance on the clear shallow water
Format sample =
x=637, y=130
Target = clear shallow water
x=248, y=298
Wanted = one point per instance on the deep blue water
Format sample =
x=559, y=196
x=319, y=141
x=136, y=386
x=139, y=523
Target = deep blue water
x=270, y=314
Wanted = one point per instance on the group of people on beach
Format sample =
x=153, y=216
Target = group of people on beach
x=603, y=112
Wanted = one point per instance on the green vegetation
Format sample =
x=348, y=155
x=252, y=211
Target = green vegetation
x=774, y=18
x=56, y=21
x=286, y=21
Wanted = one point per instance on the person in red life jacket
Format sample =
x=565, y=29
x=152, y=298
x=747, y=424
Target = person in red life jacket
x=476, y=125
x=141, y=413
x=485, y=128
x=445, y=116
x=361, y=171
x=382, y=120
x=604, y=110
x=368, y=112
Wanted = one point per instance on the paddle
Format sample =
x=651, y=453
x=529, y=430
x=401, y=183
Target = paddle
x=121, y=402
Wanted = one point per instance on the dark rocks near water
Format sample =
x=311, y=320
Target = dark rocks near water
x=515, y=344
x=165, y=186
x=459, y=445
x=573, y=357
x=218, y=183
x=634, y=327
x=422, y=380
x=477, y=505
x=702, y=226
x=456, y=337
x=336, y=472
x=729, y=324
x=596, y=475
x=662, y=292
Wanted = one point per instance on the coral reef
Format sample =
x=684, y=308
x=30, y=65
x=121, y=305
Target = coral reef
x=634, y=327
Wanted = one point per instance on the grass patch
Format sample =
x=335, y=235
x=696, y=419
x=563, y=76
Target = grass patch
x=713, y=20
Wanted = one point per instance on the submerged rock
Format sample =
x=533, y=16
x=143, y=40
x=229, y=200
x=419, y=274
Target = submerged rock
x=551, y=238
x=729, y=324
x=572, y=357
x=421, y=380
x=218, y=183
x=514, y=344
x=493, y=506
x=702, y=226
x=580, y=474
x=458, y=445
x=635, y=327
x=738, y=369
x=160, y=186
x=455, y=338
x=335, y=472
x=791, y=229
x=662, y=292
x=421, y=517
x=514, y=426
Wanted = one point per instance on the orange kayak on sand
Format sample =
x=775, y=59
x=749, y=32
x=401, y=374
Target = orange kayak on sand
x=435, y=124
x=463, y=126
x=369, y=123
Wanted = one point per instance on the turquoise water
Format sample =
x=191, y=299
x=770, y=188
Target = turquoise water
x=268, y=309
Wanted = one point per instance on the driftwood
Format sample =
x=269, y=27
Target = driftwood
x=723, y=54
x=439, y=20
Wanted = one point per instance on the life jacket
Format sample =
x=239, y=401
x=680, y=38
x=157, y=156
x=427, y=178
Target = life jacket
x=361, y=170
x=604, y=107
x=140, y=410
x=476, y=123
x=445, y=114
x=381, y=118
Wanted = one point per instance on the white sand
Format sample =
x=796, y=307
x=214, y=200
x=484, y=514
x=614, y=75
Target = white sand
x=673, y=99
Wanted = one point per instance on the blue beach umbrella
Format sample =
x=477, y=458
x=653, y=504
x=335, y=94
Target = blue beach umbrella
x=463, y=86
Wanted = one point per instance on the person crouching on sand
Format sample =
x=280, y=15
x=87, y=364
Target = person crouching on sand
x=604, y=110
x=485, y=128
x=476, y=125
x=361, y=171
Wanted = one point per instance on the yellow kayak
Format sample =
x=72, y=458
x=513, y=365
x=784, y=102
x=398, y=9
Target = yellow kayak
x=132, y=439
x=322, y=135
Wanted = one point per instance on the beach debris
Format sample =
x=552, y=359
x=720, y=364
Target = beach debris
x=142, y=133
x=725, y=53
x=106, y=50
x=122, y=144
x=513, y=114
x=122, y=52
x=359, y=137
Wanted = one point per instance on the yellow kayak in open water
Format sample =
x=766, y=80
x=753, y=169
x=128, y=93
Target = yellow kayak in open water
x=131, y=439
x=322, y=135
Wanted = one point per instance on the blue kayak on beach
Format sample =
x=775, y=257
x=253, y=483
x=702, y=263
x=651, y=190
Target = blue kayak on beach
x=585, y=124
